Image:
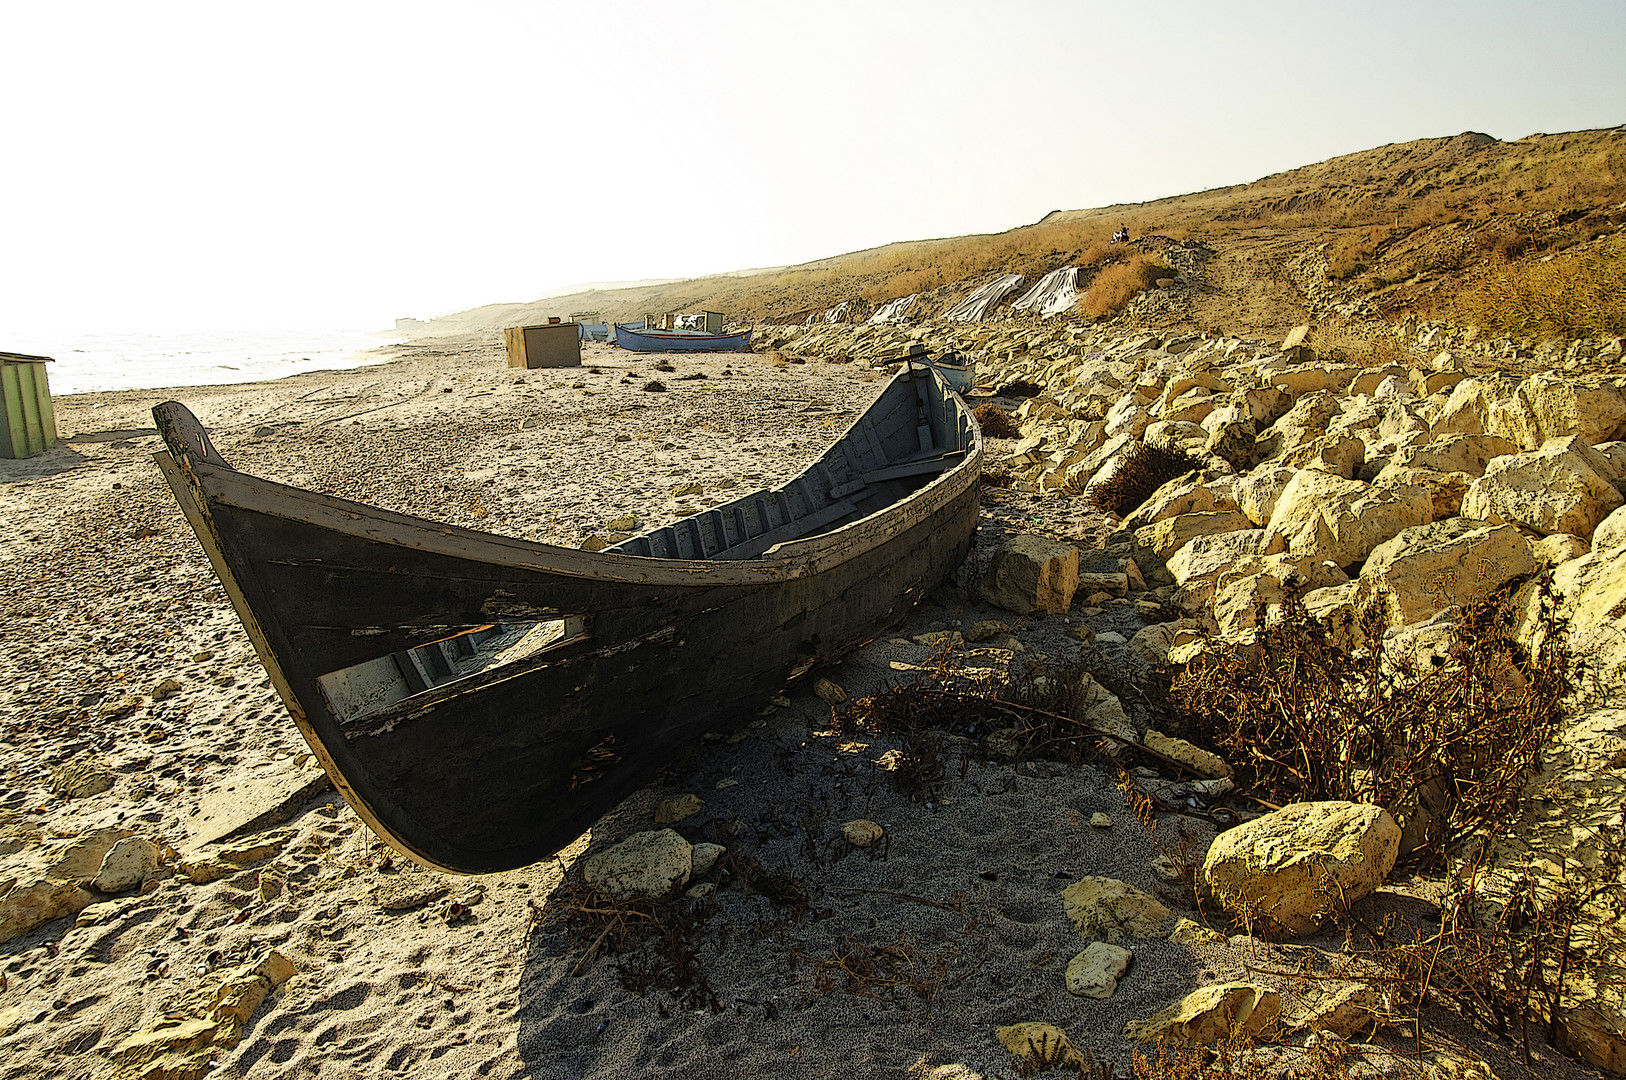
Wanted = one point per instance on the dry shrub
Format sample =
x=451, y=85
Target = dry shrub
x=1446, y=745
x=1508, y=244
x=1567, y=297
x=1239, y=1059
x=1020, y=388
x=1147, y=468
x=1355, y=252
x=1115, y=286
x=910, y=964
x=995, y=422
x=1096, y=254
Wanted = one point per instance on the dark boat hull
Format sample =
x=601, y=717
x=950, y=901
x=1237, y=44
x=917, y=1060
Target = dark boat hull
x=658, y=341
x=507, y=767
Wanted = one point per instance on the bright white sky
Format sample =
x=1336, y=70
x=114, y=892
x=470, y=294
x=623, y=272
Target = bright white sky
x=225, y=165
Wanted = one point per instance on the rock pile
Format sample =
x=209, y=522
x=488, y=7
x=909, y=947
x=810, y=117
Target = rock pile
x=1409, y=491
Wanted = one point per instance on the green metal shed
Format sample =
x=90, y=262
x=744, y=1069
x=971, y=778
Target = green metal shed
x=27, y=421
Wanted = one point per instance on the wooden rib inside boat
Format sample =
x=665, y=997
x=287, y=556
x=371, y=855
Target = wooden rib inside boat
x=482, y=700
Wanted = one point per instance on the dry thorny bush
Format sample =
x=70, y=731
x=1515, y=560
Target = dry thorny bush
x=1444, y=743
x=1148, y=467
x=1449, y=744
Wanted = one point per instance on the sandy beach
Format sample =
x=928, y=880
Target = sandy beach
x=812, y=956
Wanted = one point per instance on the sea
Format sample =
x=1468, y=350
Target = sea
x=140, y=361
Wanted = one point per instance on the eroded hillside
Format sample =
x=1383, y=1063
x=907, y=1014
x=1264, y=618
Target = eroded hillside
x=1519, y=238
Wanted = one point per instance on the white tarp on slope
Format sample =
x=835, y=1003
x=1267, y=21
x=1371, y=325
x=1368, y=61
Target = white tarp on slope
x=986, y=296
x=1056, y=292
x=892, y=310
x=837, y=313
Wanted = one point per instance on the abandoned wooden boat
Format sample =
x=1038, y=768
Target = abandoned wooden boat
x=679, y=340
x=482, y=700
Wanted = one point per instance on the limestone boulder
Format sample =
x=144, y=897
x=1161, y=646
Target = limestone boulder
x=1210, y=1015
x=1564, y=487
x=1187, y=495
x=1094, y=973
x=1341, y=455
x=1558, y=548
x=1032, y=574
x=1371, y=382
x=1258, y=492
x=652, y=864
x=1233, y=436
x=1164, y=537
x=1201, y=560
x=127, y=864
x=862, y=832
x=1258, y=582
x=1611, y=531
x=1334, y=607
x=1457, y=453
x=1289, y=869
x=1302, y=379
x=1306, y=420
x=1445, y=489
x=1104, y=713
x=1128, y=417
x=1339, y=519
x=1470, y=408
x=1592, y=597
x=1151, y=644
x=1043, y=1044
x=1545, y=407
x=1106, y=909
x=1566, y=841
x=1263, y=405
x=1343, y=1010
x=35, y=901
x=1205, y=763
x=1454, y=563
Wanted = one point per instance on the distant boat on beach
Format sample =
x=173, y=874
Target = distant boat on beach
x=482, y=700
x=684, y=333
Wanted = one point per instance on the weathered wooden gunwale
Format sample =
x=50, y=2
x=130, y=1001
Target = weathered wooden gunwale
x=477, y=775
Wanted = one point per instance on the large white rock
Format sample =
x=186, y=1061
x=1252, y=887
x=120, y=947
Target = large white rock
x=1210, y=1015
x=1445, y=489
x=1454, y=563
x=1032, y=574
x=1288, y=869
x=127, y=864
x=1111, y=910
x=1342, y=455
x=1304, y=379
x=1258, y=492
x=1457, y=453
x=1253, y=582
x=1592, y=597
x=1564, y=487
x=1094, y=973
x=1164, y=537
x=1333, y=518
x=648, y=864
x=1468, y=410
x=1611, y=531
x=1547, y=407
x=1306, y=420
x=1201, y=560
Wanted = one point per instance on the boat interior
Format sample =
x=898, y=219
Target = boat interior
x=909, y=437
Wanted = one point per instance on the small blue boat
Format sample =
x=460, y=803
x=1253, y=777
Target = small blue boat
x=679, y=340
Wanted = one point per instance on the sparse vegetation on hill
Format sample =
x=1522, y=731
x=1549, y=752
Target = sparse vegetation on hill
x=1520, y=238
